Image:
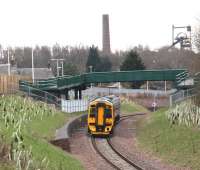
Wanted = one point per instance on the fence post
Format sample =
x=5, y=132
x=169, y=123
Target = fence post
x=45, y=97
x=170, y=100
x=28, y=91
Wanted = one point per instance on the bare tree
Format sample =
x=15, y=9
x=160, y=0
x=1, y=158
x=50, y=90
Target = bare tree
x=197, y=37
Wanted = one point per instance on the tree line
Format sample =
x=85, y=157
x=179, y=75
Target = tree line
x=80, y=59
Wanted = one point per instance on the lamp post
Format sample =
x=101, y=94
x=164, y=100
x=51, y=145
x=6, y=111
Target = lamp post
x=90, y=70
x=57, y=65
x=8, y=62
x=33, y=73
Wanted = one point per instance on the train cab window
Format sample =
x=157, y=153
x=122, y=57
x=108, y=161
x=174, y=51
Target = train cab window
x=108, y=113
x=93, y=111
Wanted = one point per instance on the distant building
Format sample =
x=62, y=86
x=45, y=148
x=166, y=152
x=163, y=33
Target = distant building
x=39, y=73
x=3, y=68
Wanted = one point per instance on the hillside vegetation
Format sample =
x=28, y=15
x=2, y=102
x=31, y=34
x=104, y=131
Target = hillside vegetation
x=25, y=129
x=128, y=107
x=173, y=136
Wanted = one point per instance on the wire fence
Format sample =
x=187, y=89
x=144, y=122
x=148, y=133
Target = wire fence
x=71, y=106
x=99, y=91
x=41, y=95
x=183, y=95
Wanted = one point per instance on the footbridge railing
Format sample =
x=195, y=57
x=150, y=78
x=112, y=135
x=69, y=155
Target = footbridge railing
x=67, y=82
x=181, y=77
x=197, y=79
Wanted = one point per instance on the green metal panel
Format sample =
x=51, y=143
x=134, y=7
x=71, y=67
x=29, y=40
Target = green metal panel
x=129, y=76
x=46, y=84
x=107, y=77
x=197, y=79
x=70, y=82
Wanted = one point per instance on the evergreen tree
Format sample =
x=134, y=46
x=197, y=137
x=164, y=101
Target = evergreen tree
x=133, y=62
x=93, y=60
x=70, y=69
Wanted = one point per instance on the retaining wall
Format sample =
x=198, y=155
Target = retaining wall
x=63, y=134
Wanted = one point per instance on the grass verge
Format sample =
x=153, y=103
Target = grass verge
x=175, y=144
x=26, y=125
x=128, y=107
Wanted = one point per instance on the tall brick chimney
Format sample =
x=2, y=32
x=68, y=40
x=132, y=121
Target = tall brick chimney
x=106, y=35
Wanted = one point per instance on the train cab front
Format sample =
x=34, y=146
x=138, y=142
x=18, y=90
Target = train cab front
x=100, y=119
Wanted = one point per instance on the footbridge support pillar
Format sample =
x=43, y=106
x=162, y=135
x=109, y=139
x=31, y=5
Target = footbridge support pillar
x=80, y=94
x=75, y=94
x=66, y=92
x=58, y=94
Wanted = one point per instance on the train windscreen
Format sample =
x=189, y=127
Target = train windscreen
x=108, y=113
x=93, y=111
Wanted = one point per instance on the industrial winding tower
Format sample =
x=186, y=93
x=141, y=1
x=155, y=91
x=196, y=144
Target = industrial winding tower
x=106, y=35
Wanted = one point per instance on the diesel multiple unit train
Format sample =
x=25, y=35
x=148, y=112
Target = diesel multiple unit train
x=103, y=112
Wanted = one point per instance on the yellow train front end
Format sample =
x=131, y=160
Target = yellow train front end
x=100, y=118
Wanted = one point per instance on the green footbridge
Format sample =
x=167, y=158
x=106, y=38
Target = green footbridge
x=61, y=85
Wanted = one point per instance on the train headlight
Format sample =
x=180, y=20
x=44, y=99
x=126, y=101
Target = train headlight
x=108, y=129
x=92, y=128
x=108, y=121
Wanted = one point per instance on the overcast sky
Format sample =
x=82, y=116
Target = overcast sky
x=79, y=22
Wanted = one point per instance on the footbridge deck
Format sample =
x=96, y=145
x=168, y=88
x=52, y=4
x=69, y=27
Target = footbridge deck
x=72, y=82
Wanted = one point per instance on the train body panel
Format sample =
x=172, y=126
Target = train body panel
x=103, y=112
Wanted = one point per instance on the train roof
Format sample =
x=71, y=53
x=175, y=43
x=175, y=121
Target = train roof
x=110, y=98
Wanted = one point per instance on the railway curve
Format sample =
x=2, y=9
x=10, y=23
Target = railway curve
x=104, y=148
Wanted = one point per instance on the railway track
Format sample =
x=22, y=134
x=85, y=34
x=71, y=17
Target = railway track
x=113, y=157
x=131, y=115
x=104, y=148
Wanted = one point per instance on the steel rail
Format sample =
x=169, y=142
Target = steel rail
x=122, y=156
x=131, y=115
x=134, y=165
x=124, y=117
x=100, y=153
